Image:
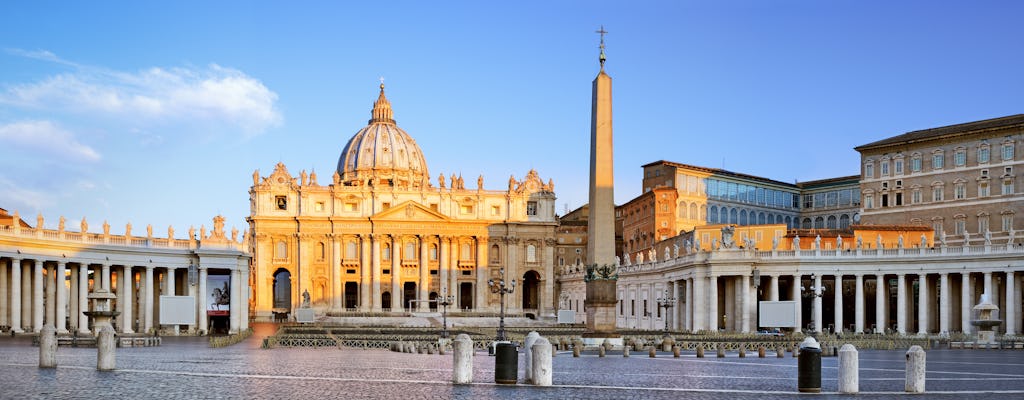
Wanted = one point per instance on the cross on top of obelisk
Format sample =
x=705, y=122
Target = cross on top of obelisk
x=602, y=32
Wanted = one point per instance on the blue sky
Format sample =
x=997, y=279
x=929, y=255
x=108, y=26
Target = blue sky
x=157, y=113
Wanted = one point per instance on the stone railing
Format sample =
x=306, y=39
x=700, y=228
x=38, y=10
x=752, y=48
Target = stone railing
x=79, y=238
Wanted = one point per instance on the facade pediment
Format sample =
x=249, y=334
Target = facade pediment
x=409, y=211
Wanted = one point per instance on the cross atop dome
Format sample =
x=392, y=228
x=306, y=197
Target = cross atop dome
x=382, y=108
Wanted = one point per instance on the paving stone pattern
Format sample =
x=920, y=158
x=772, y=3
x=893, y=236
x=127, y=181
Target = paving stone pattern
x=188, y=368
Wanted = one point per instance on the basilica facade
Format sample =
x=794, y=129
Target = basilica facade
x=380, y=238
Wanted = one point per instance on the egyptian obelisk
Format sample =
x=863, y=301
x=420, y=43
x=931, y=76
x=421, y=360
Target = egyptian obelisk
x=601, y=274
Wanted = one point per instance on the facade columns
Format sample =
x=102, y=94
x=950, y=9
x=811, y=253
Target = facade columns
x=922, y=304
x=336, y=285
x=901, y=304
x=424, y=286
x=965, y=303
x=743, y=310
x=858, y=304
x=699, y=308
x=676, y=307
x=989, y=290
x=83, y=300
x=201, y=304
x=713, y=303
x=37, y=295
x=817, y=303
x=126, y=280
x=376, y=272
x=773, y=288
x=15, y=303
x=483, y=272
x=365, y=267
x=837, y=324
x=448, y=273
x=105, y=276
x=397, y=292
x=1011, y=304
x=73, y=307
x=170, y=285
x=453, y=258
x=148, y=299
x=881, y=312
x=944, y=297
x=26, y=296
x=62, y=298
x=4, y=305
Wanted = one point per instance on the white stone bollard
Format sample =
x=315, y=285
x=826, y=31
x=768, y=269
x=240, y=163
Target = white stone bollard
x=541, y=362
x=106, y=346
x=462, y=355
x=849, y=369
x=48, y=347
x=528, y=342
x=915, y=370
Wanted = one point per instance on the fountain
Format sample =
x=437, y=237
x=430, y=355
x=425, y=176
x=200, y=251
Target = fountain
x=101, y=313
x=985, y=320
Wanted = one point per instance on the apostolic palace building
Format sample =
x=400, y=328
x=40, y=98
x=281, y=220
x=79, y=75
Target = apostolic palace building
x=380, y=238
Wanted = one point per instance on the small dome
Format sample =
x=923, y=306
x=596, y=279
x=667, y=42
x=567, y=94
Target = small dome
x=382, y=154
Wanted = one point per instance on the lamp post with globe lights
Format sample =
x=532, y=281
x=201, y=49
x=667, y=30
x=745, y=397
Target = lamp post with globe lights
x=499, y=286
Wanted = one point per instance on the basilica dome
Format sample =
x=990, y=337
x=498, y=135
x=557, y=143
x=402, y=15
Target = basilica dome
x=382, y=154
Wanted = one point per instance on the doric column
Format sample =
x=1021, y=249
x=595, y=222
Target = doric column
x=365, y=270
x=743, y=310
x=901, y=304
x=965, y=302
x=881, y=312
x=201, y=303
x=922, y=304
x=773, y=288
x=336, y=290
x=447, y=272
x=83, y=300
x=15, y=304
x=858, y=304
x=795, y=295
x=62, y=298
x=944, y=297
x=125, y=294
x=713, y=303
x=376, y=272
x=50, y=289
x=147, y=299
x=482, y=272
x=105, y=276
x=688, y=315
x=442, y=267
x=73, y=309
x=397, y=291
x=236, y=301
x=676, y=309
x=26, y=296
x=424, y=284
x=243, y=315
x=699, y=307
x=838, y=319
x=817, y=303
x=37, y=295
x=1011, y=303
x=170, y=287
x=547, y=299
x=4, y=305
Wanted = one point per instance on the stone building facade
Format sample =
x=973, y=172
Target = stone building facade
x=962, y=180
x=381, y=238
x=46, y=276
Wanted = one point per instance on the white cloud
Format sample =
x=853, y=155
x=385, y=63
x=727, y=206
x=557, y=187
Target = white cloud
x=14, y=197
x=214, y=93
x=48, y=137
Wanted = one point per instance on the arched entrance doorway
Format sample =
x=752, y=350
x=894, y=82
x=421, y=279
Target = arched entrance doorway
x=409, y=294
x=531, y=291
x=283, y=289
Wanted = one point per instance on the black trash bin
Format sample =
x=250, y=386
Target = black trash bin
x=506, y=364
x=809, y=367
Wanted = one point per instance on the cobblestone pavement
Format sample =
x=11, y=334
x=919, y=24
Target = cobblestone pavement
x=187, y=368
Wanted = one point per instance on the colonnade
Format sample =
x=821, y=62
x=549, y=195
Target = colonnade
x=36, y=291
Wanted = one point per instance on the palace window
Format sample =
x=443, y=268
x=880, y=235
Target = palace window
x=937, y=159
x=410, y=251
x=351, y=251
x=869, y=170
x=960, y=157
x=495, y=210
x=531, y=253
x=937, y=193
x=531, y=208
x=983, y=153
x=898, y=166
x=869, y=201
x=1007, y=220
x=466, y=254
x=1008, y=186
x=960, y=225
x=466, y=209
x=983, y=189
x=960, y=191
x=982, y=223
x=915, y=196
x=351, y=206
x=937, y=226
x=915, y=163
x=885, y=167
x=1007, y=151
x=281, y=250
x=319, y=206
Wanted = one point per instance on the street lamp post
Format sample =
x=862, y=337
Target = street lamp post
x=755, y=277
x=666, y=302
x=814, y=291
x=445, y=301
x=501, y=288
